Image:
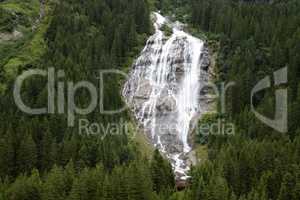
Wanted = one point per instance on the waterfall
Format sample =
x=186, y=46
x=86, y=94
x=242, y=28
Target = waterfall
x=163, y=90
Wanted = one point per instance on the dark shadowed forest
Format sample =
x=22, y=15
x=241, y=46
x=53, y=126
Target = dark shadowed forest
x=42, y=158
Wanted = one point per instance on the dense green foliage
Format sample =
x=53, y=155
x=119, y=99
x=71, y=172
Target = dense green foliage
x=42, y=159
x=6, y=21
x=135, y=180
x=40, y=156
x=248, y=169
x=255, y=39
x=16, y=13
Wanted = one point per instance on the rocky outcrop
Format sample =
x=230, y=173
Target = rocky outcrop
x=181, y=185
x=163, y=91
x=10, y=36
x=33, y=25
x=205, y=64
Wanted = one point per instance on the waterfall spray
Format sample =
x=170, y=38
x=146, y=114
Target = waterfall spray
x=163, y=90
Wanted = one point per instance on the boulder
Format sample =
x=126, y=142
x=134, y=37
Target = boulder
x=166, y=105
x=205, y=59
x=181, y=185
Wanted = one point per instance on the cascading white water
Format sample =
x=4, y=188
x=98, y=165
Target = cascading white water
x=187, y=99
x=163, y=90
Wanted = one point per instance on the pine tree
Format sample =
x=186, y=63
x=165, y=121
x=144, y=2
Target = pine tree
x=46, y=157
x=161, y=172
x=287, y=185
x=7, y=156
x=26, y=154
x=25, y=188
x=107, y=189
x=56, y=186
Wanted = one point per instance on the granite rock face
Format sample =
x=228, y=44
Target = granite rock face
x=164, y=89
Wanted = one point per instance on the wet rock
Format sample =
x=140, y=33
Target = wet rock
x=144, y=90
x=144, y=62
x=172, y=144
x=179, y=68
x=181, y=185
x=205, y=59
x=191, y=158
x=205, y=64
x=166, y=104
x=178, y=60
x=155, y=87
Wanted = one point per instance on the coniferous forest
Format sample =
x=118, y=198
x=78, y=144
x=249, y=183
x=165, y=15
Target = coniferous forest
x=42, y=158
